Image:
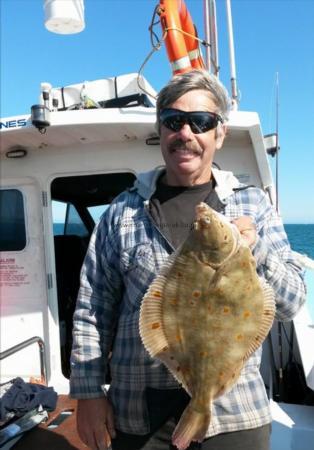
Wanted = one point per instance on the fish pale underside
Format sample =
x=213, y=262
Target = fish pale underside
x=203, y=316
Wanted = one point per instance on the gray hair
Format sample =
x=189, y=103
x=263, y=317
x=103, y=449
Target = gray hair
x=192, y=80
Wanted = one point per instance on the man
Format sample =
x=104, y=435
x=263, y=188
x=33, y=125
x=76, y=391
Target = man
x=136, y=235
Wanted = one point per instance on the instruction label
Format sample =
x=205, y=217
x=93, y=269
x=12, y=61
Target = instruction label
x=12, y=274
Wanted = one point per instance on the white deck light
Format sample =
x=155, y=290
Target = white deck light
x=64, y=16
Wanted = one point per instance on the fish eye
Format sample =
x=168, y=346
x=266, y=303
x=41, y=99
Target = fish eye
x=206, y=220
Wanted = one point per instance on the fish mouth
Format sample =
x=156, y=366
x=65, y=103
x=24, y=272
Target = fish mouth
x=203, y=213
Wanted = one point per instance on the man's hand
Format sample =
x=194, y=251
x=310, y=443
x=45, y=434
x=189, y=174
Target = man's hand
x=95, y=423
x=247, y=229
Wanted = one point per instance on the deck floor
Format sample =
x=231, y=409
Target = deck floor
x=48, y=436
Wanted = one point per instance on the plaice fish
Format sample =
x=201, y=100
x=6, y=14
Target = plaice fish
x=203, y=316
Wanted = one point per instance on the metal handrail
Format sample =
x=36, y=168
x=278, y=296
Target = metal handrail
x=24, y=344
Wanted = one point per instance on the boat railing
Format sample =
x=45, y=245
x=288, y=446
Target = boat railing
x=18, y=347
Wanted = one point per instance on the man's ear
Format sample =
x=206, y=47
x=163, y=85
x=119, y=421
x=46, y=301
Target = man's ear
x=221, y=131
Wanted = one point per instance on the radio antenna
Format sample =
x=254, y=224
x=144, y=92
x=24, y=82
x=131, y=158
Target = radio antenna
x=211, y=36
x=277, y=142
x=234, y=89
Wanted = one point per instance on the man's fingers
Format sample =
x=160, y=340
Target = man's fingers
x=110, y=424
x=91, y=443
x=99, y=440
x=244, y=222
x=95, y=423
x=102, y=445
x=247, y=229
x=83, y=437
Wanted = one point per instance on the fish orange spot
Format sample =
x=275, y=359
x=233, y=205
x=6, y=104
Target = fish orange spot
x=186, y=370
x=239, y=337
x=179, y=274
x=196, y=294
x=178, y=338
x=157, y=294
x=226, y=310
x=267, y=313
x=174, y=301
x=209, y=308
x=155, y=325
x=246, y=314
x=221, y=374
x=203, y=354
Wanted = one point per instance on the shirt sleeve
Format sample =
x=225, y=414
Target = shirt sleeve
x=96, y=313
x=277, y=262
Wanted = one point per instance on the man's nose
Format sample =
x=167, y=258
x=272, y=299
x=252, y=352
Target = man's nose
x=186, y=133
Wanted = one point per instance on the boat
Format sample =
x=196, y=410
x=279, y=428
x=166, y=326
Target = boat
x=77, y=149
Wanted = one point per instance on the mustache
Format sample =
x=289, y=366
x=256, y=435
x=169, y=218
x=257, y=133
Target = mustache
x=191, y=146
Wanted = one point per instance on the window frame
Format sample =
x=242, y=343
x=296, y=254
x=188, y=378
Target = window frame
x=24, y=224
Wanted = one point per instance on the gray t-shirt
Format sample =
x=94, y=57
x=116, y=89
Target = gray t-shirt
x=173, y=208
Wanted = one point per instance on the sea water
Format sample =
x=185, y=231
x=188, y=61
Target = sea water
x=301, y=238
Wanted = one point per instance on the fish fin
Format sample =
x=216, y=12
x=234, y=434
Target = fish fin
x=151, y=328
x=175, y=258
x=268, y=315
x=151, y=321
x=173, y=365
x=192, y=426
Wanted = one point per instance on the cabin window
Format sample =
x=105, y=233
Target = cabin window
x=97, y=211
x=67, y=221
x=12, y=220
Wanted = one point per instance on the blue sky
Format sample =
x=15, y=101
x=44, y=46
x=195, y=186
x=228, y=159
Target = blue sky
x=270, y=36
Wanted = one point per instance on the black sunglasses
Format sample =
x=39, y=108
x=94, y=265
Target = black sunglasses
x=199, y=121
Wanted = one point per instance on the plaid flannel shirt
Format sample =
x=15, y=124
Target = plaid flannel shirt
x=126, y=252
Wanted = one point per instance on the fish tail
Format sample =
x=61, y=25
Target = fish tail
x=192, y=426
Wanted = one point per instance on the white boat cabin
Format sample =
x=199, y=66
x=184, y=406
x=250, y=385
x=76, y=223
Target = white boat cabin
x=76, y=160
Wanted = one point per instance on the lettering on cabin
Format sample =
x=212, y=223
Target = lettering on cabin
x=7, y=260
x=13, y=123
x=12, y=274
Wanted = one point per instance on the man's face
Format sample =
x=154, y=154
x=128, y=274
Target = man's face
x=189, y=156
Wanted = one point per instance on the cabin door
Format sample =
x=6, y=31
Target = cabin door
x=77, y=204
x=22, y=277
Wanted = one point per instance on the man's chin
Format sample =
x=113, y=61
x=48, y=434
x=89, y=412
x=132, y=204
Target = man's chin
x=185, y=169
x=185, y=159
